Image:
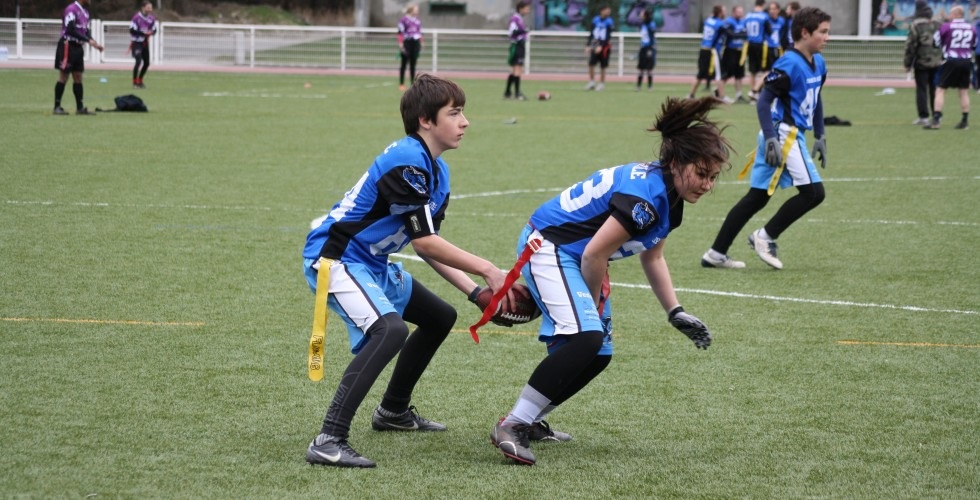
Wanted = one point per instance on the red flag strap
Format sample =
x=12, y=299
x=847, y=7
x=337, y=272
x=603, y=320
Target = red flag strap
x=532, y=246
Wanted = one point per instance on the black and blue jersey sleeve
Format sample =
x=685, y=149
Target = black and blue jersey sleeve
x=636, y=214
x=406, y=191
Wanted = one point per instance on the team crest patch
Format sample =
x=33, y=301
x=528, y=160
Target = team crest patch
x=643, y=215
x=415, y=178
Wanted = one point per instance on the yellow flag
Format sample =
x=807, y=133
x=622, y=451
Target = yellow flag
x=320, y=312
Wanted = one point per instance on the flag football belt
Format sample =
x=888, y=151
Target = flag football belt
x=532, y=246
x=787, y=146
x=320, y=313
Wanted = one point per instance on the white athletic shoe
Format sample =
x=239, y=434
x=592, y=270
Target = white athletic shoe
x=766, y=249
x=590, y=85
x=921, y=121
x=725, y=262
x=599, y=87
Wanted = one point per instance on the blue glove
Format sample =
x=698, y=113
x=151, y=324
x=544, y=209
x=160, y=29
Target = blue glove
x=820, y=148
x=690, y=326
x=774, y=152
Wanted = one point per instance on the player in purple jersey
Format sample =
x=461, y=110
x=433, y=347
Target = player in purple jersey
x=400, y=200
x=517, y=33
x=616, y=213
x=69, y=57
x=141, y=28
x=409, y=43
x=958, y=39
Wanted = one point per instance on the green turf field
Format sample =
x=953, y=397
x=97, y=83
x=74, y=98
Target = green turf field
x=154, y=317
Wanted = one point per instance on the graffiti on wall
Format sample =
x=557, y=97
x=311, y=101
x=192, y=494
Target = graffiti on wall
x=892, y=17
x=574, y=15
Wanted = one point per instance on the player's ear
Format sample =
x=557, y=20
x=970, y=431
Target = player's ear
x=425, y=123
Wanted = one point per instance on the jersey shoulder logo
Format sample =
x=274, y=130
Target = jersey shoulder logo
x=643, y=215
x=415, y=178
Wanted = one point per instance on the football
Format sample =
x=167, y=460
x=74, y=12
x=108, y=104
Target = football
x=521, y=310
x=544, y=95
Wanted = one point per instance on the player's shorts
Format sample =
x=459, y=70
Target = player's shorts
x=555, y=281
x=69, y=56
x=140, y=51
x=516, y=54
x=955, y=74
x=360, y=296
x=799, y=169
x=647, y=58
x=730, y=64
x=601, y=58
x=413, y=47
x=754, y=57
x=708, y=65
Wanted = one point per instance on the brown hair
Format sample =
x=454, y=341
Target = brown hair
x=688, y=136
x=427, y=95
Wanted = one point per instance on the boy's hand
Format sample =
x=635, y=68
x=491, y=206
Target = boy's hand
x=820, y=148
x=774, y=152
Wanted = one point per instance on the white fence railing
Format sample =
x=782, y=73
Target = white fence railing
x=347, y=48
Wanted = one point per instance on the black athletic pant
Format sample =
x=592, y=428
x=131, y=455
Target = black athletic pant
x=571, y=367
x=386, y=338
x=925, y=91
x=809, y=196
x=142, y=55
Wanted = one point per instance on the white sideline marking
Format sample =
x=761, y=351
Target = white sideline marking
x=845, y=303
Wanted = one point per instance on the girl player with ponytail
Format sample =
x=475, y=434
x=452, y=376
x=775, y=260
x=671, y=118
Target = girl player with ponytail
x=615, y=213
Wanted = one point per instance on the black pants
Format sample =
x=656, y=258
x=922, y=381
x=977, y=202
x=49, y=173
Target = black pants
x=925, y=88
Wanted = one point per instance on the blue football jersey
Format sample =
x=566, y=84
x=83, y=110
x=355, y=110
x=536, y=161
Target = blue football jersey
x=757, y=26
x=713, y=28
x=402, y=195
x=636, y=194
x=601, y=30
x=796, y=83
x=776, y=26
x=736, y=33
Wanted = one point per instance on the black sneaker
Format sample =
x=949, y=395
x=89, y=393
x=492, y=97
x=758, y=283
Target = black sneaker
x=84, y=111
x=507, y=95
x=512, y=440
x=541, y=431
x=58, y=110
x=962, y=125
x=329, y=450
x=408, y=421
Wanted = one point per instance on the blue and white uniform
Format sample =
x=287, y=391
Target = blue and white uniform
x=796, y=84
x=638, y=196
x=402, y=196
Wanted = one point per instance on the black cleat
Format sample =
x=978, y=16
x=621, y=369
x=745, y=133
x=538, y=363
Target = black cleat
x=541, y=431
x=963, y=125
x=408, y=421
x=329, y=450
x=84, y=111
x=512, y=440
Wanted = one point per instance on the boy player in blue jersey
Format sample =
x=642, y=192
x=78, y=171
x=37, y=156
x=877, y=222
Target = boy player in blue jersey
x=789, y=104
x=400, y=200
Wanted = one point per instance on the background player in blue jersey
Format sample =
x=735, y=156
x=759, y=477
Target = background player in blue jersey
x=615, y=213
x=786, y=32
x=647, y=58
x=517, y=33
x=789, y=105
x=598, y=46
x=400, y=200
x=757, y=29
x=732, y=56
x=709, y=59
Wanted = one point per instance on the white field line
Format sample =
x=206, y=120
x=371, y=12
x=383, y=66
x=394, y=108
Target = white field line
x=774, y=298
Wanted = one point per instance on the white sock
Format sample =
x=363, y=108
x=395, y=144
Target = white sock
x=764, y=235
x=528, y=407
x=544, y=413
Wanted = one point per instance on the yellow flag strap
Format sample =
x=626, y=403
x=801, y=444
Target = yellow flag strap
x=765, y=53
x=711, y=67
x=745, y=53
x=320, y=312
x=787, y=146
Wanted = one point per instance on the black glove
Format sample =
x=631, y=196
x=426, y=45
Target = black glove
x=690, y=326
x=820, y=148
x=774, y=152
